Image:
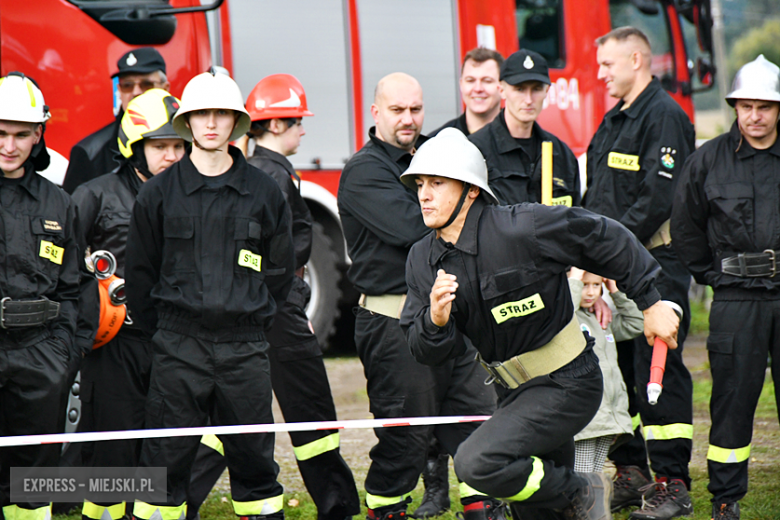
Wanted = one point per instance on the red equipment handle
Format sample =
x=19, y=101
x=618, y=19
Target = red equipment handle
x=658, y=363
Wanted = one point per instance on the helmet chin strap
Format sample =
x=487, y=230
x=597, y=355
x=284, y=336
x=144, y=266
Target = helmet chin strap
x=456, y=211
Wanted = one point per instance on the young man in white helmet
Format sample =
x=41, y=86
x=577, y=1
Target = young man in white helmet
x=724, y=226
x=498, y=275
x=115, y=377
x=209, y=259
x=39, y=285
x=276, y=106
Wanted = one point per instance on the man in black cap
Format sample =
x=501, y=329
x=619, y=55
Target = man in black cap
x=512, y=143
x=138, y=70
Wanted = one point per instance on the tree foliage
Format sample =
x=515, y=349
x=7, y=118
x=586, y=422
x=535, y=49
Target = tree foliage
x=760, y=40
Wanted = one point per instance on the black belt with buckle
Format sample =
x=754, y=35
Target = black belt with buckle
x=751, y=265
x=29, y=313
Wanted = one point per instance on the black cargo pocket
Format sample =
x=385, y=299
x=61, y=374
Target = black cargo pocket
x=731, y=211
x=248, y=236
x=48, y=234
x=721, y=343
x=179, y=244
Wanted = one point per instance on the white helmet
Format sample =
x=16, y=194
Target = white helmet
x=211, y=90
x=759, y=79
x=21, y=100
x=450, y=154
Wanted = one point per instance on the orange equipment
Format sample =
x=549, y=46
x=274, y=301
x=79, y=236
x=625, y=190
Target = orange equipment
x=112, y=297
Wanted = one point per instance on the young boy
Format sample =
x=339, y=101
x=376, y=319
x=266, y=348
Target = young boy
x=209, y=255
x=593, y=442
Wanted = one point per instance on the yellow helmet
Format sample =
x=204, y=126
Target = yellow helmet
x=148, y=116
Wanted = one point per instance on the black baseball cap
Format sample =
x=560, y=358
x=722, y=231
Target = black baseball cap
x=525, y=65
x=140, y=61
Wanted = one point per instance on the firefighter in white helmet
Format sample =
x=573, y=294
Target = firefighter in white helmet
x=724, y=228
x=498, y=275
x=209, y=260
x=277, y=106
x=115, y=377
x=39, y=287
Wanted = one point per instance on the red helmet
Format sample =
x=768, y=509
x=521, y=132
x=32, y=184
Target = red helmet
x=277, y=96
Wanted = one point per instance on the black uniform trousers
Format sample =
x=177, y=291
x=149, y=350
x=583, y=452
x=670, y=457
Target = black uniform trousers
x=399, y=386
x=742, y=334
x=669, y=422
x=33, y=376
x=114, y=384
x=194, y=381
x=525, y=453
x=301, y=385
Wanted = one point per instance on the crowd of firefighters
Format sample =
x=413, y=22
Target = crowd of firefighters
x=456, y=265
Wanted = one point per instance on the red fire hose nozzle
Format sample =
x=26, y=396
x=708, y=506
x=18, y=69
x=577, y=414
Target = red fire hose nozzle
x=658, y=363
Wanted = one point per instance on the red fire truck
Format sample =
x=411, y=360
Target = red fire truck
x=339, y=49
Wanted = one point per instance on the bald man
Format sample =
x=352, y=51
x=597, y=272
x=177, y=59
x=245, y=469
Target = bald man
x=382, y=220
x=634, y=161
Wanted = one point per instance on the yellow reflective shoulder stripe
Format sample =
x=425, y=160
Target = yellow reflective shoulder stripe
x=96, y=512
x=666, y=432
x=318, y=447
x=213, y=442
x=148, y=511
x=14, y=512
x=266, y=506
x=562, y=201
x=533, y=483
x=374, y=501
x=468, y=491
x=728, y=455
x=635, y=422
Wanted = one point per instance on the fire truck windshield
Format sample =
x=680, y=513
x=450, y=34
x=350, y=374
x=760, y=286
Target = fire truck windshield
x=539, y=25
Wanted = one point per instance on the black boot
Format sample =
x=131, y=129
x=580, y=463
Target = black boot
x=728, y=511
x=626, y=487
x=592, y=501
x=489, y=509
x=436, y=499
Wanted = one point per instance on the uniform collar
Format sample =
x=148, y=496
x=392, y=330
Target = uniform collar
x=743, y=149
x=192, y=179
x=638, y=106
x=504, y=140
x=29, y=181
x=467, y=241
x=262, y=151
x=395, y=153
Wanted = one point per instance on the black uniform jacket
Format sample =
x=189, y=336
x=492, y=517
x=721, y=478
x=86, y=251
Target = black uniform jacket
x=728, y=202
x=38, y=250
x=380, y=216
x=93, y=156
x=510, y=263
x=104, y=206
x=277, y=166
x=514, y=177
x=209, y=259
x=635, y=159
x=459, y=123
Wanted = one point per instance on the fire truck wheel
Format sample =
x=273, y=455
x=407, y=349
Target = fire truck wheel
x=323, y=275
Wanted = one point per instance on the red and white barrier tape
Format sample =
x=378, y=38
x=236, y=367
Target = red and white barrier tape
x=58, y=438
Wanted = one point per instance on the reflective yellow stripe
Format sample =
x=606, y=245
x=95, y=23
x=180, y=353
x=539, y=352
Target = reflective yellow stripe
x=668, y=432
x=635, y=422
x=30, y=90
x=374, y=501
x=468, y=491
x=266, y=506
x=533, y=483
x=96, y=512
x=318, y=447
x=146, y=511
x=14, y=512
x=213, y=442
x=728, y=455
